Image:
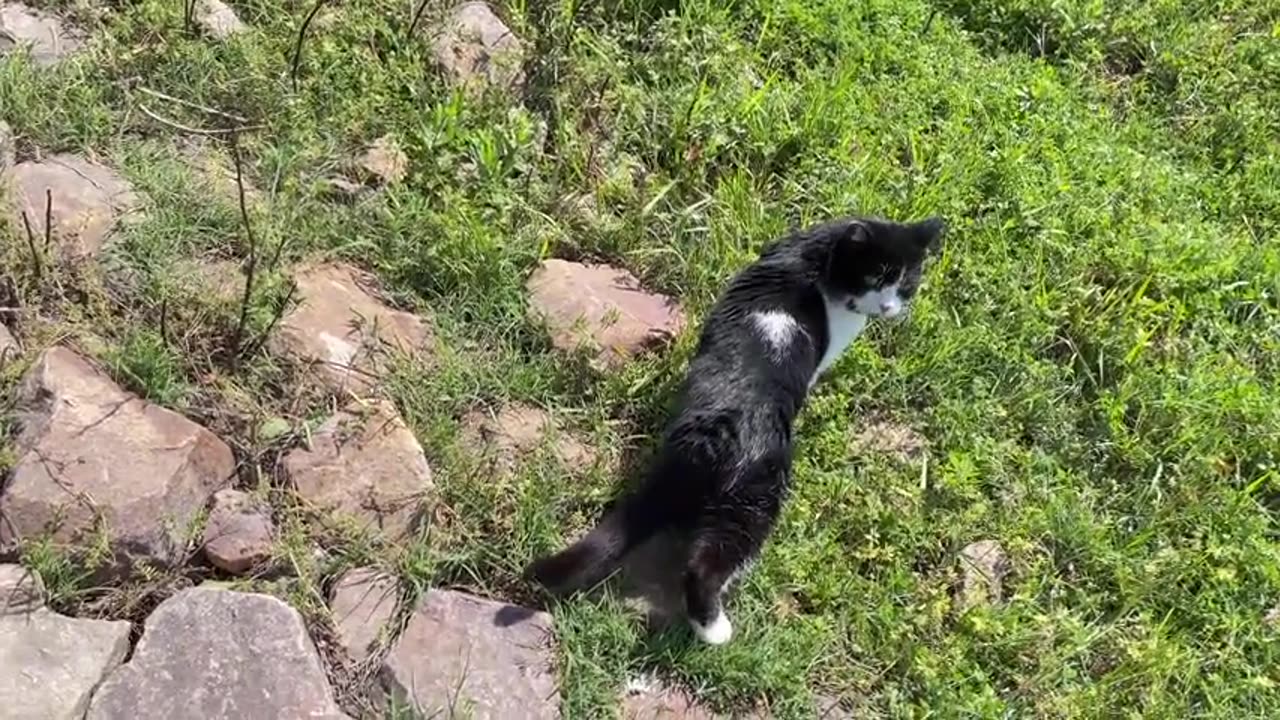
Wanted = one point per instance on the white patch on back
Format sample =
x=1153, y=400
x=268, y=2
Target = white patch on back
x=843, y=327
x=778, y=329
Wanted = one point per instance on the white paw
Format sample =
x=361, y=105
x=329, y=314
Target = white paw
x=717, y=633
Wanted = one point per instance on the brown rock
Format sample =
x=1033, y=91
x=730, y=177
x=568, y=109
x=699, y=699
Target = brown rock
x=475, y=48
x=215, y=654
x=217, y=19
x=45, y=36
x=484, y=659
x=344, y=330
x=384, y=161
x=983, y=565
x=8, y=147
x=219, y=279
x=601, y=307
x=650, y=701
x=344, y=190
x=49, y=663
x=215, y=170
x=366, y=465
x=91, y=455
x=363, y=605
x=831, y=708
x=9, y=347
x=517, y=430
x=20, y=590
x=88, y=200
x=239, y=532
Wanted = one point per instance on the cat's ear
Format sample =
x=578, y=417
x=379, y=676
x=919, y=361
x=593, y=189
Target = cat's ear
x=849, y=237
x=927, y=234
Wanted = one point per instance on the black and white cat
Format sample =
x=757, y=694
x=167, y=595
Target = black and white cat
x=724, y=467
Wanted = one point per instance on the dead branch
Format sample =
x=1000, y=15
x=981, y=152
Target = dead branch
x=48, y=218
x=252, y=268
x=31, y=244
x=217, y=132
x=194, y=106
x=297, y=46
x=417, y=15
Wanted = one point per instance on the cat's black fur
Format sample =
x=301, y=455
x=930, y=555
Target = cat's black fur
x=724, y=466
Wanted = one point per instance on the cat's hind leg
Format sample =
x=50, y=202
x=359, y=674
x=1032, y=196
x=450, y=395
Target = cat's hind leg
x=729, y=535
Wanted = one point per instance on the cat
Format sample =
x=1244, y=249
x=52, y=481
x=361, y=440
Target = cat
x=724, y=466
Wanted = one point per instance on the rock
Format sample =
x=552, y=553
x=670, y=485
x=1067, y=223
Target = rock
x=20, y=590
x=343, y=330
x=647, y=700
x=517, y=430
x=88, y=200
x=602, y=307
x=93, y=457
x=983, y=565
x=210, y=653
x=343, y=190
x=488, y=660
x=239, y=532
x=366, y=465
x=217, y=19
x=49, y=663
x=476, y=49
x=218, y=280
x=384, y=162
x=831, y=708
x=363, y=604
x=890, y=438
x=45, y=36
x=9, y=347
x=215, y=170
x=8, y=147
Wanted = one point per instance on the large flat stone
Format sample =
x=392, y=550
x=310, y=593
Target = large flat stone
x=45, y=36
x=364, y=464
x=477, y=50
x=341, y=330
x=94, y=458
x=88, y=202
x=601, y=307
x=478, y=658
x=214, y=654
x=363, y=605
x=49, y=663
x=516, y=430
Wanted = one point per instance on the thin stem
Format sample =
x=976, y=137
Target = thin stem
x=297, y=46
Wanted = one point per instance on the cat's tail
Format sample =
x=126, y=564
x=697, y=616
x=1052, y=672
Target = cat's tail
x=593, y=558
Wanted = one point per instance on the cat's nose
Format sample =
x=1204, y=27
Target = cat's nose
x=888, y=308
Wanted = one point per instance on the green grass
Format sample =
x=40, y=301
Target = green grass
x=1093, y=360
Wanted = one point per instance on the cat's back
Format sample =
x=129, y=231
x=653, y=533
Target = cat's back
x=760, y=341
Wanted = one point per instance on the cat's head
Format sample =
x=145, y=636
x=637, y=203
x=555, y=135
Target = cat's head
x=874, y=266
